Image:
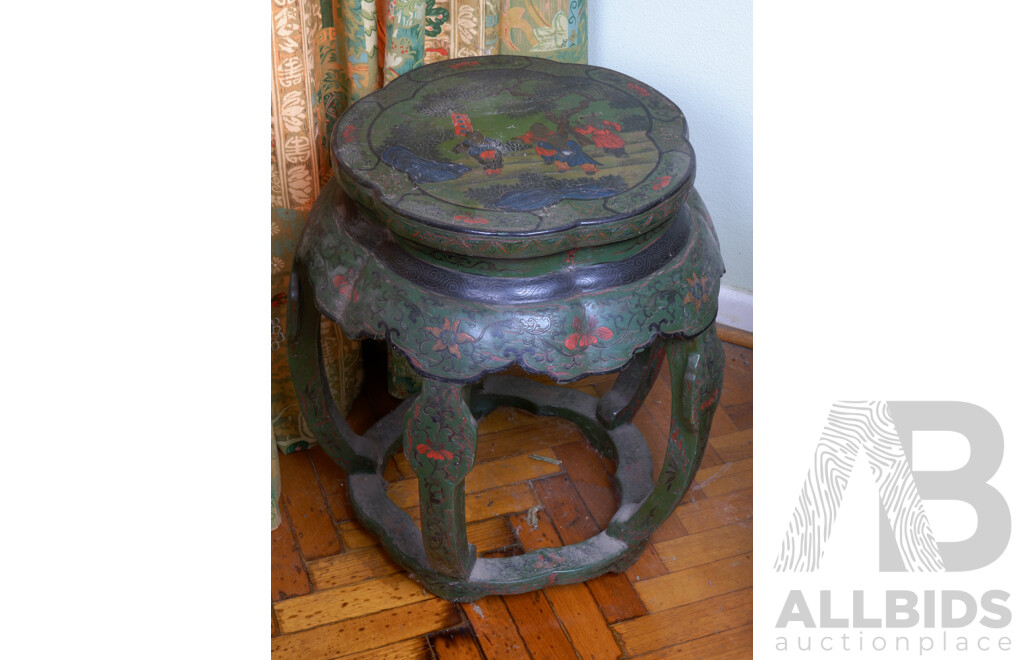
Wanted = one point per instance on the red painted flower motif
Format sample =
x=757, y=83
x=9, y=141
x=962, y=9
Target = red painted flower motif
x=434, y=453
x=638, y=89
x=349, y=133
x=662, y=182
x=699, y=290
x=448, y=337
x=590, y=335
x=342, y=284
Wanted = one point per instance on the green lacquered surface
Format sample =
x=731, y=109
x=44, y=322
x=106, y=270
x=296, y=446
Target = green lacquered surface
x=525, y=267
x=440, y=445
x=578, y=287
x=696, y=369
x=439, y=437
x=454, y=339
x=558, y=156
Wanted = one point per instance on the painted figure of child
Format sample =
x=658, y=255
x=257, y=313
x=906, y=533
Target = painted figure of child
x=600, y=131
x=484, y=150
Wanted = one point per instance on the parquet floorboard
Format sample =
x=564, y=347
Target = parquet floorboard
x=372, y=631
x=351, y=567
x=332, y=478
x=538, y=625
x=303, y=499
x=288, y=576
x=697, y=583
x=704, y=617
x=416, y=648
x=336, y=593
x=712, y=512
x=487, y=504
x=495, y=630
x=456, y=645
x=614, y=596
x=648, y=565
x=349, y=602
x=573, y=604
x=733, y=446
x=731, y=645
x=705, y=547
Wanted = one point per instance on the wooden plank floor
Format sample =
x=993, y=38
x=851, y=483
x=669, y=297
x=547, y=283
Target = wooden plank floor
x=335, y=593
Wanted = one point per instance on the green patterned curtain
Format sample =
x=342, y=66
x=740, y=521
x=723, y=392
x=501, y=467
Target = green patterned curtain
x=327, y=54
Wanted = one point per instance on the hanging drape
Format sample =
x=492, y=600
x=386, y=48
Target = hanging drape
x=327, y=54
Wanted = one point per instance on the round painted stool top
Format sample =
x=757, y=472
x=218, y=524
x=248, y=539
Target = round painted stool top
x=513, y=157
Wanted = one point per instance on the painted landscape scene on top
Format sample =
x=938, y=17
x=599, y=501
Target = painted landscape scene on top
x=541, y=148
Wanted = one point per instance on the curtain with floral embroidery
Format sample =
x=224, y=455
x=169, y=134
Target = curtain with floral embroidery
x=327, y=54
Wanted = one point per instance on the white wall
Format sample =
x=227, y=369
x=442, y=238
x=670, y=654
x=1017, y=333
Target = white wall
x=699, y=53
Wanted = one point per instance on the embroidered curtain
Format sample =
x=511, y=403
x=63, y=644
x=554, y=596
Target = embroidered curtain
x=327, y=54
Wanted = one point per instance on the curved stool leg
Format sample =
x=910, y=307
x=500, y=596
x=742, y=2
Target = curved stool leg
x=621, y=403
x=696, y=367
x=439, y=441
x=437, y=430
x=440, y=444
x=305, y=359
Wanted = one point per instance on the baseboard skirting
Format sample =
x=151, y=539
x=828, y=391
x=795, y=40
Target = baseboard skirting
x=736, y=309
x=733, y=336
